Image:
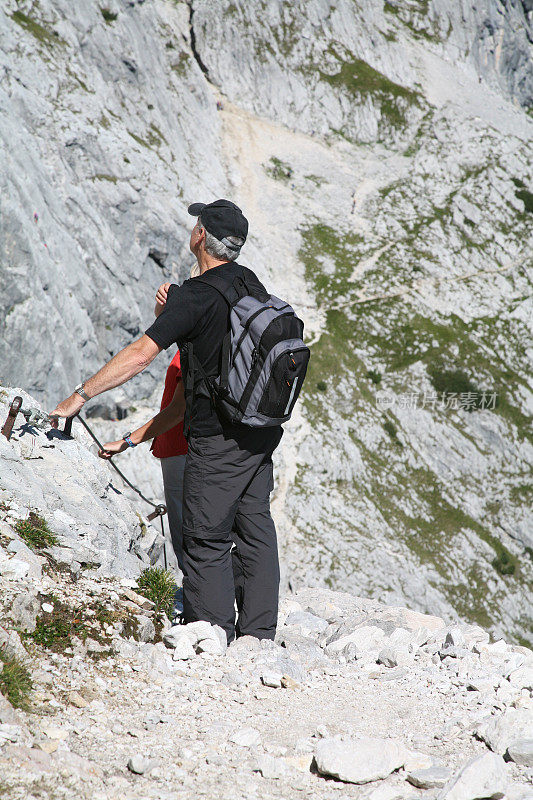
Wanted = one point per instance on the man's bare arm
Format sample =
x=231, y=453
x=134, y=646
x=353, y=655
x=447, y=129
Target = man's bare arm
x=125, y=365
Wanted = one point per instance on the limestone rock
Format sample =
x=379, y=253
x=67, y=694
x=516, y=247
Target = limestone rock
x=358, y=760
x=482, y=777
x=183, y=649
x=522, y=678
x=272, y=679
x=213, y=641
x=175, y=634
x=139, y=765
x=270, y=767
x=145, y=628
x=521, y=752
x=503, y=729
x=75, y=699
x=430, y=778
x=11, y=644
x=24, y=611
x=246, y=737
x=138, y=599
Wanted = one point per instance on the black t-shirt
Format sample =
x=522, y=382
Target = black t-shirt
x=196, y=312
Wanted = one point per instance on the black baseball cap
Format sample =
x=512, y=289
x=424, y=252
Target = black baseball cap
x=222, y=218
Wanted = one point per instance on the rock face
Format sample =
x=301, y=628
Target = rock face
x=74, y=492
x=381, y=152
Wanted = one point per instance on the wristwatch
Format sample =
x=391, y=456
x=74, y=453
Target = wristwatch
x=127, y=439
x=80, y=390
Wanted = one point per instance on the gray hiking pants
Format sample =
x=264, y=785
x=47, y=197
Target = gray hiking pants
x=227, y=487
x=173, y=468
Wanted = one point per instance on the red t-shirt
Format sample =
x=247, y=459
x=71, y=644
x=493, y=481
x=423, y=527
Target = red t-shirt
x=173, y=442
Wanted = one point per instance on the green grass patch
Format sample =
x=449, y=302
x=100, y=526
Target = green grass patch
x=42, y=34
x=391, y=429
x=159, y=586
x=359, y=80
x=55, y=630
x=140, y=141
x=181, y=64
x=527, y=199
x=15, y=681
x=279, y=170
x=35, y=532
x=522, y=494
x=155, y=136
x=414, y=16
x=456, y=382
x=316, y=179
x=504, y=563
x=102, y=176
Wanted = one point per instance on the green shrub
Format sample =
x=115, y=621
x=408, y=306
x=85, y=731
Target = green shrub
x=108, y=15
x=374, y=376
x=15, y=681
x=279, y=170
x=527, y=199
x=456, y=381
x=391, y=429
x=35, y=532
x=55, y=629
x=159, y=586
x=321, y=386
x=504, y=563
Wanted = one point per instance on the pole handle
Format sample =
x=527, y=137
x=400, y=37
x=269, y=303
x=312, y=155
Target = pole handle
x=14, y=408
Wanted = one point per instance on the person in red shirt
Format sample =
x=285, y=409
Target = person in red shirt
x=170, y=446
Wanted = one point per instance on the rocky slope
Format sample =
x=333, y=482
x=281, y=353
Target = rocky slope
x=379, y=701
x=380, y=150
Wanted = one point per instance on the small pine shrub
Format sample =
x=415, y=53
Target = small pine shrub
x=321, y=386
x=15, y=681
x=391, y=429
x=504, y=563
x=374, y=376
x=159, y=586
x=108, y=15
x=35, y=532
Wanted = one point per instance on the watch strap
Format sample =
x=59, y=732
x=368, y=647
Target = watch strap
x=81, y=391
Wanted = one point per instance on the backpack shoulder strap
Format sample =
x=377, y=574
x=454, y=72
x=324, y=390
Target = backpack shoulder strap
x=232, y=290
x=222, y=285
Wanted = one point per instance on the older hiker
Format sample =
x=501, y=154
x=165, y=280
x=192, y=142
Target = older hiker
x=237, y=395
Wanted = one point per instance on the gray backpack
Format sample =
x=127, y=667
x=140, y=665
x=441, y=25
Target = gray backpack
x=264, y=358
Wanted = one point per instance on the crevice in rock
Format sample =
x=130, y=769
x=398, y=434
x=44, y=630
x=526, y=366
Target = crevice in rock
x=195, y=52
x=158, y=257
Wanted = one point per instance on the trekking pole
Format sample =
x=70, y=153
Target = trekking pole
x=159, y=508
